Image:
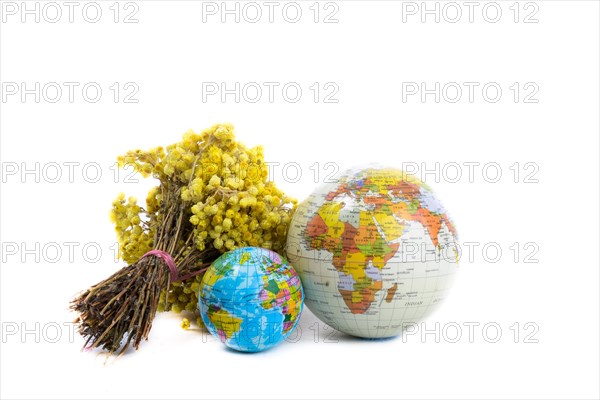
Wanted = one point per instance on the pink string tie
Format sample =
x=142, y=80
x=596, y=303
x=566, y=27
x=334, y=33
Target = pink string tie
x=166, y=257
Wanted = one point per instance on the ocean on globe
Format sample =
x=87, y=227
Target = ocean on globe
x=376, y=251
x=251, y=298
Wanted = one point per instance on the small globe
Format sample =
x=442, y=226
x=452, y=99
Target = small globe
x=375, y=250
x=251, y=299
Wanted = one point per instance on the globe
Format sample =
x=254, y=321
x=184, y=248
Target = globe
x=251, y=299
x=375, y=250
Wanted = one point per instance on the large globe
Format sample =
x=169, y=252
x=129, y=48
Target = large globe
x=376, y=251
x=251, y=299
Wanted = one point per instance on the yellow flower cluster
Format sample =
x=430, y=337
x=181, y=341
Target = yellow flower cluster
x=185, y=324
x=135, y=236
x=231, y=202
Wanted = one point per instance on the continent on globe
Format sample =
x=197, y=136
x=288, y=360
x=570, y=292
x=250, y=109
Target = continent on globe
x=225, y=324
x=361, y=227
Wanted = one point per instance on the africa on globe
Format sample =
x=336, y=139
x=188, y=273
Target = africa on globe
x=251, y=299
x=375, y=251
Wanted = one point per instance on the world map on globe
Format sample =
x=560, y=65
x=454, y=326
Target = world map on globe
x=251, y=298
x=374, y=249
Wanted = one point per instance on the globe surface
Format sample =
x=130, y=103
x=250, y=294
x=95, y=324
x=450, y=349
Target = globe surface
x=375, y=251
x=251, y=299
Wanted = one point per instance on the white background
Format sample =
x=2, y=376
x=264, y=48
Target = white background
x=368, y=54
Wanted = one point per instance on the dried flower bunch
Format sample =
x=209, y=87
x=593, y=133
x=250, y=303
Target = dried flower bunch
x=213, y=196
